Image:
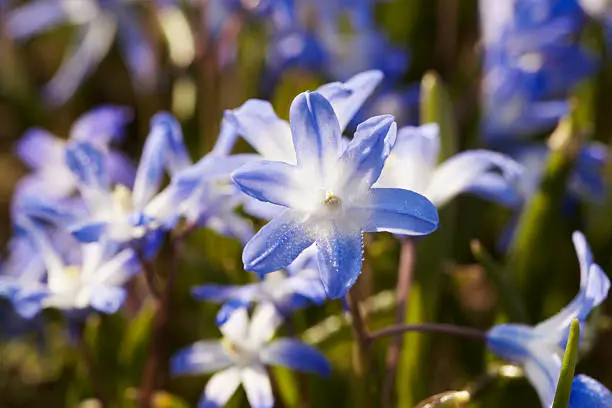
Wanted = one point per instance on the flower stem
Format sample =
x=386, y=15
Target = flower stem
x=443, y=328
x=404, y=280
x=361, y=357
x=157, y=350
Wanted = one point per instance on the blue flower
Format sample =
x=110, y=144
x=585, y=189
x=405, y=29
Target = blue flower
x=531, y=63
x=413, y=165
x=44, y=153
x=586, y=180
x=327, y=47
x=241, y=357
x=203, y=194
x=286, y=292
x=328, y=196
x=98, y=22
x=93, y=282
x=539, y=349
x=271, y=137
x=116, y=211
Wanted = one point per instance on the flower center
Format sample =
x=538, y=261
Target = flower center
x=122, y=199
x=237, y=352
x=332, y=201
x=68, y=280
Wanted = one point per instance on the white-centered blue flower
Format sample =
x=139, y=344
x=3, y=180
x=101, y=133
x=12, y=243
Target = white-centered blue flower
x=116, y=211
x=413, y=165
x=241, y=357
x=328, y=196
x=539, y=349
x=203, y=194
x=45, y=153
x=95, y=281
x=271, y=137
x=286, y=291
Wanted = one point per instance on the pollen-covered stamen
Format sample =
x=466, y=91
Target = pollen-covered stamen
x=66, y=280
x=122, y=199
x=332, y=201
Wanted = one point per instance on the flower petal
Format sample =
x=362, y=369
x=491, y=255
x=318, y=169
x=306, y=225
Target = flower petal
x=116, y=270
x=35, y=17
x=28, y=305
x=457, y=173
x=163, y=150
x=209, y=168
x=594, y=287
x=38, y=148
x=272, y=182
x=495, y=187
x=230, y=225
x=510, y=342
x=120, y=168
x=259, y=125
x=264, y=322
x=137, y=50
x=340, y=256
x=103, y=124
x=348, y=97
x=220, y=388
x=227, y=138
x=307, y=284
x=43, y=208
x=412, y=159
x=87, y=50
x=87, y=163
x=398, y=211
x=201, y=357
x=365, y=155
x=588, y=177
x=277, y=244
x=236, y=326
x=542, y=371
x=42, y=243
x=89, y=232
x=296, y=355
x=222, y=293
x=257, y=386
x=587, y=392
x=106, y=298
x=316, y=133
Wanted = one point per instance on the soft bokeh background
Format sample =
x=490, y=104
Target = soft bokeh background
x=43, y=367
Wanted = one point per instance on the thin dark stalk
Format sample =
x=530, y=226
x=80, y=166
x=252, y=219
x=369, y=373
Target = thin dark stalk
x=442, y=328
x=359, y=329
x=361, y=359
x=404, y=281
x=157, y=350
x=149, y=274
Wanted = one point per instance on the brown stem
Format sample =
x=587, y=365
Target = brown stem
x=149, y=274
x=443, y=328
x=157, y=350
x=362, y=366
x=404, y=281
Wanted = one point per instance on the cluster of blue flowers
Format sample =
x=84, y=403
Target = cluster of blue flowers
x=84, y=224
x=87, y=220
